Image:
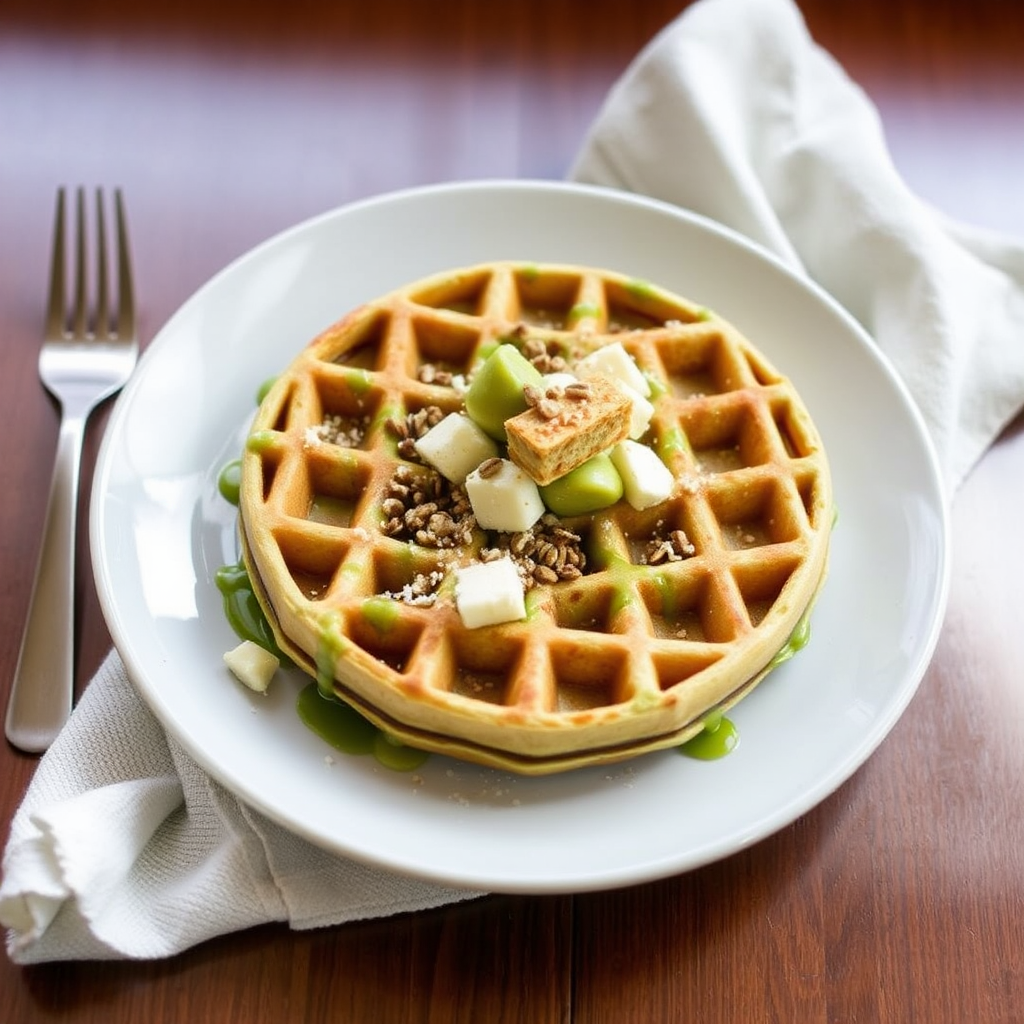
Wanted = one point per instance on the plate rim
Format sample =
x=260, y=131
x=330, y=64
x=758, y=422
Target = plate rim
x=649, y=870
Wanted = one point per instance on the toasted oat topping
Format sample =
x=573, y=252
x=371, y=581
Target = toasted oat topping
x=673, y=548
x=412, y=427
x=429, y=373
x=544, y=355
x=488, y=468
x=426, y=508
x=544, y=554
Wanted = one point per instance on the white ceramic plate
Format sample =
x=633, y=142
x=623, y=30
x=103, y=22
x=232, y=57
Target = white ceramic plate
x=159, y=532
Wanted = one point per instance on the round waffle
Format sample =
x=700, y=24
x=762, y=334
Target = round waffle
x=641, y=626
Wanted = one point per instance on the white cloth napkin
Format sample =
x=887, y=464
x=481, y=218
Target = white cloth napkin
x=123, y=847
x=735, y=113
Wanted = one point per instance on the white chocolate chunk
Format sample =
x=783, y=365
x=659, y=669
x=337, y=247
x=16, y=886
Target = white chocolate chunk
x=455, y=447
x=252, y=665
x=646, y=480
x=615, y=362
x=506, y=499
x=640, y=412
x=487, y=593
x=561, y=379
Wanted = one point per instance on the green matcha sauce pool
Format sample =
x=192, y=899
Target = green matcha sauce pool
x=333, y=721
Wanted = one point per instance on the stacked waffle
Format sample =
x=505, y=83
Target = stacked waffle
x=632, y=620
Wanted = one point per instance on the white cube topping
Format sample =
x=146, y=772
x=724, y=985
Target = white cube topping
x=615, y=362
x=488, y=593
x=561, y=379
x=252, y=665
x=455, y=447
x=503, y=497
x=646, y=480
x=640, y=412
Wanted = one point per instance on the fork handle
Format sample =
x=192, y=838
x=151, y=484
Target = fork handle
x=41, y=695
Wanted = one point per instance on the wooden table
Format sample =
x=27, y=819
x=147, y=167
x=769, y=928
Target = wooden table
x=901, y=897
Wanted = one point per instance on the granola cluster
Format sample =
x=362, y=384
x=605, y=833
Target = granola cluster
x=440, y=376
x=426, y=508
x=545, y=355
x=412, y=427
x=548, y=402
x=421, y=506
x=673, y=548
x=546, y=553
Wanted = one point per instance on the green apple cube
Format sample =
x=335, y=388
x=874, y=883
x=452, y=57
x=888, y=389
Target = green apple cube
x=594, y=485
x=496, y=392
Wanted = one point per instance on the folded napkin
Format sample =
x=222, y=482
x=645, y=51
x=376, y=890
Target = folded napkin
x=733, y=112
x=123, y=847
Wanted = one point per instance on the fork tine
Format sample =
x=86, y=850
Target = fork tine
x=79, y=313
x=102, y=327
x=80, y=368
x=125, y=285
x=55, y=297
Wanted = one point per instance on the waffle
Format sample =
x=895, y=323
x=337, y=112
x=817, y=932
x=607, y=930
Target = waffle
x=639, y=628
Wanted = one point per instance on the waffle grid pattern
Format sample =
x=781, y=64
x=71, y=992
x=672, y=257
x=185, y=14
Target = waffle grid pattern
x=632, y=655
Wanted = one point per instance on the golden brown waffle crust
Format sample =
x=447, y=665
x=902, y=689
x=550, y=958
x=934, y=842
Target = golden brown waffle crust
x=633, y=655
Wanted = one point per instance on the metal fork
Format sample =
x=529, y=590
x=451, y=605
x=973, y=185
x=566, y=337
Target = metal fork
x=87, y=356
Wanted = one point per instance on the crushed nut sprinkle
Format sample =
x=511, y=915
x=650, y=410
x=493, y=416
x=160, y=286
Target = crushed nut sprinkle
x=344, y=431
x=578, y=391
x=489, y=467
x=548, y=408
x=429, y=373
x=428, y=509
x=544, y=355
x=673, y=548
x=547, y=402
x=546, y=553
x=421, y=590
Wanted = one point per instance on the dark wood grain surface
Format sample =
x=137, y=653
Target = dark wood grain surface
x=901, y=897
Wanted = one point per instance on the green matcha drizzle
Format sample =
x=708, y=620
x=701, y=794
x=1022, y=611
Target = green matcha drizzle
x=260, y=440
x=324, y=714
x=243, y=611
x=264, y=389
x=582, y=310
x=381, y=613
x=671, y=442
x=641, y=289
x=347, y=731
x=718, y=738
x=359, y=381
x=329, y=650
x=657, y=385
x=229, y=481
x=797, y=642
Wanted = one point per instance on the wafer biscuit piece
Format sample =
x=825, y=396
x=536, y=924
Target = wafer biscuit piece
x=640, y=624
x=566, y=426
